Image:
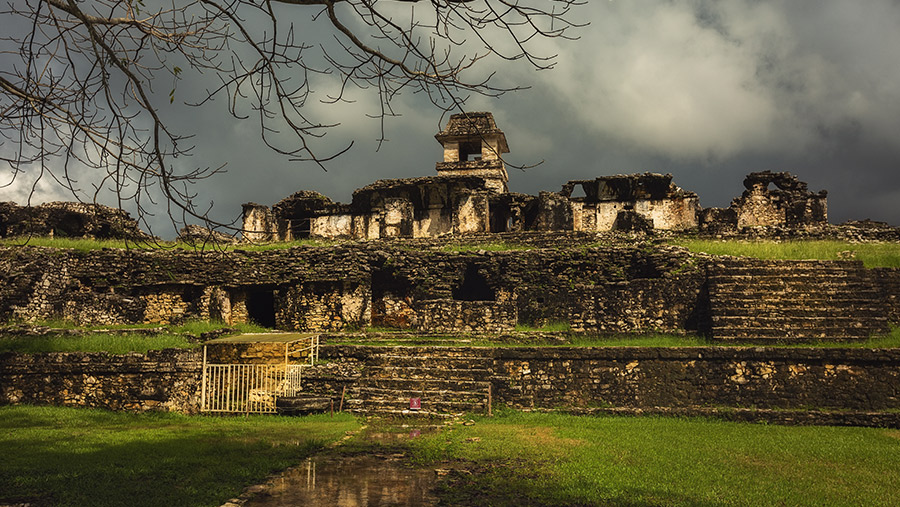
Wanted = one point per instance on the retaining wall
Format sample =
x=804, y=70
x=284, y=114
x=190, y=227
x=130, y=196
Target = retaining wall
x=857, y=381
x=167, y=380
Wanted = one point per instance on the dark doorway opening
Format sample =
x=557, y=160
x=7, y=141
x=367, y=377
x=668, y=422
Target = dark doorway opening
x=474, y=287
x=300, y=228
x=261, y=306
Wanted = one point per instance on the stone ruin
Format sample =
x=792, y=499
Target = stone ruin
x=789, y=204
x=68, y=220
x=469, y=195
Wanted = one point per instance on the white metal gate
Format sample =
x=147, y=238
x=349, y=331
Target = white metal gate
x=253, y=388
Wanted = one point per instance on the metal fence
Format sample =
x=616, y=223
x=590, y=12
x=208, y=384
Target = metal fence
x=253, y=388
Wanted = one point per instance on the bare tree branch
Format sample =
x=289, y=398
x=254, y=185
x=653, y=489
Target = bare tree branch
x=77, y=78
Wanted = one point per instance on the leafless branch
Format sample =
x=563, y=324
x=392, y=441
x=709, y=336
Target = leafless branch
x=77, y=78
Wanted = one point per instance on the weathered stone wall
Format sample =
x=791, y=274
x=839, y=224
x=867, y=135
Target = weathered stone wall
x=166, y=380
x=887, y=280
x=790, y=204
x=257, y=352
x=851, y=379
x=68, y=220
x=324, y=306
x=466, y=316
x=671, y=304
x=861, y=380
x=602, y=287
x=627, y=378
x=258, y=223
x=334, y=288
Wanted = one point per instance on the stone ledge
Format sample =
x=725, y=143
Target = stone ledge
x=783, y=417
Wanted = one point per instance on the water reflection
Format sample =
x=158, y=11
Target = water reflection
x=351, y=481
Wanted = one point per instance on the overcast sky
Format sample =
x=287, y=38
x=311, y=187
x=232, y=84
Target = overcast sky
x=705, y=90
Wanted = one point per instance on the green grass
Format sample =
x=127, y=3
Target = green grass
x=100, y=342
x=173, y=336
x=555, y=459
x=890, y=340
x=871, y=254
x=67, y=456
x=550, y=327
x=83, y=245
x=488, y=247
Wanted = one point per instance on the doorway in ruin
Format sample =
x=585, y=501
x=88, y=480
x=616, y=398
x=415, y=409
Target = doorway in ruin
x=391, y=302
x=474, y=287
x=300, y=228
x=261, y=307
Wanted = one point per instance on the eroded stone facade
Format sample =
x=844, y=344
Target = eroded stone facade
x=470, y=196
x=419, y=285
x=68, y=220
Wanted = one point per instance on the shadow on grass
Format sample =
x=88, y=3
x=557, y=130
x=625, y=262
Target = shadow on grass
x=89, y=459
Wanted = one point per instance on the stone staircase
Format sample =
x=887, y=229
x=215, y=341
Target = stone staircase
x=761, y=300
x=448, y=380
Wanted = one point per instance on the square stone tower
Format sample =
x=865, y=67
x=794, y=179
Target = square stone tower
x=473, y=146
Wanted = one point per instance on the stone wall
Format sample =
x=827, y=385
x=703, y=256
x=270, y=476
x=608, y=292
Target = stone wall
x=166, y=380
x=443, y=315
x=656, y=380
x=258, y=352
x=887, y=280
x=593, y=285
x=652, y=379
x=333, y=288
x=68, y=220
x=770, y=378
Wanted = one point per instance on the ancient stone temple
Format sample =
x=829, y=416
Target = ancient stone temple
x=473, y=146
x=469, y=195
x=789, y=204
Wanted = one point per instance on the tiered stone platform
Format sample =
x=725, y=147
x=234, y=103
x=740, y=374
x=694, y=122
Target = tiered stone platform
x=764, y=300
x=447, y=380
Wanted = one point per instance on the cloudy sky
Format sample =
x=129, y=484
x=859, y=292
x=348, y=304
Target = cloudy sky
x=705, y=90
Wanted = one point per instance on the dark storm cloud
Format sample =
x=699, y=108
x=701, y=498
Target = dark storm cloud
x=705, y=90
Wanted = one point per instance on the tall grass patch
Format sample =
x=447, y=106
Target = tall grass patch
x=116, y=339
x=67, y=456
x=99, y=342
x=555, y=459
x=871, y=254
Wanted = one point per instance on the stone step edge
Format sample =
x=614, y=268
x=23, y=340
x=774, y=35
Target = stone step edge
x=793, y=417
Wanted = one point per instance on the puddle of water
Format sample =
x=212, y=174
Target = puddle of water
x=350, y=481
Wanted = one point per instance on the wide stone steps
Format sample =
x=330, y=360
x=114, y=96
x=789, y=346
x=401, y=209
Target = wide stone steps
x=802, y=322
x=786, y=333
x=426, y=373
x=400, y=406
x=445, y=384
x=754, y=299
x=775, y=281
x=796, y=311
x=457, y=363
x=433, y=384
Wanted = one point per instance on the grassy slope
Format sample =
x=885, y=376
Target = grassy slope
x=871, y=254
x=107, y=339
x=553, y=459
x=67, y=456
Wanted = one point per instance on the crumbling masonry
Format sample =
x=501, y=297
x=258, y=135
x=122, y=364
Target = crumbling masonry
x=470, y=196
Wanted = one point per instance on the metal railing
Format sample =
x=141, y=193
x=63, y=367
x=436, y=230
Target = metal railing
x=254, y=388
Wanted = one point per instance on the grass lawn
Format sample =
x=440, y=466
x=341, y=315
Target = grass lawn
x=890, y=340
x=871, y=254
x=68, y=456
x=553, y=459
x=117, y=339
